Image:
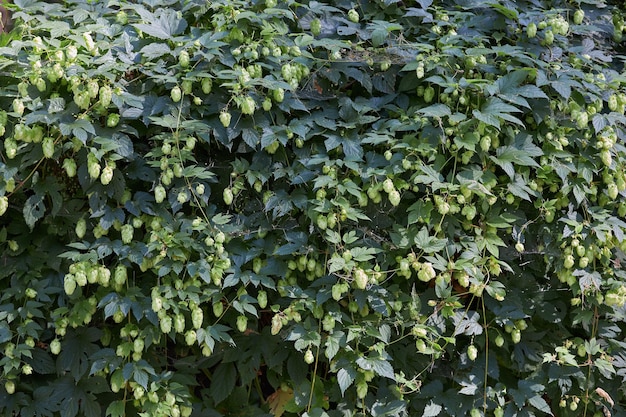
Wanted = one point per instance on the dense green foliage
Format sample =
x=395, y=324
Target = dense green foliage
x=249, y=208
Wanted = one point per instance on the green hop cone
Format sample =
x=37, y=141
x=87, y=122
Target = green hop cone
x=361, y=389
x=227, y=194
x=429, y=94
x=190, y=337
x=606, y=157
x=113, y=119
x=247, y=105
x=93, y=166
x=242, y=323
x=105, y=95
x=472, y=352
x=157, y=304
x=267, y=104
x=55, y=347
x=138, y=345
x=388, y=186
x=4, y=204
x=353, y=16
x=279, y=95
x=322, y=222
x=69, y=165
x=394, y=198
x=548, y=37
x=337, y=292
x=179, y=323
x=316, y=27
x=183, y=59
x=117, y=380
x=71, y=53
x=420, y=72
x=225, y=118
x=582, y=120
x=485, y=143
x=127, y=233
x=159, y=193
x=81, y=228
x=360, y=279
x=166, y=324
x=218, y=308
x=69, y=284
x=176, y=94
x=81, y=278
x=120, y=275
x=309, y=358
x=104, y=276
x=261, y=299
x=9, y=386
x=579, y=15
x=10, y=147
x=93, y=88
x=18, y=106
x=187, y=86
x=206, y=85
x=612, y=191
x=40, y=83
x=197, y=318
x=516, y=336
x=121, y=17
x=47, y=146
x=107, y=175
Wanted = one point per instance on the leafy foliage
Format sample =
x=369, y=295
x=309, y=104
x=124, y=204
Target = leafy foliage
x=318, y=209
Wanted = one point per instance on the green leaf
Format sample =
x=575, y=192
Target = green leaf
x=345, y=378
x=333, y=344
x=564, y=87
x=362, y=254
x=521, y=153
x=116, y=409
x=467, y=323
x=520, y=188
x=505, y=11
x=34, y=209
x=155, y=50
x=436, y=110
x=221, y=219
x=495, y=111
x=165, y=26
x=224, y=378
x=432, y=410
x=427, y=243
x=57, y=29
x=69, y=407
x=5, y=333
x=378, y=365
x=540, y=404
x=120, y=143
x=42, y=362
x=419, y=211
x=336, y=263
x=429, y=175
x=605, y=367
